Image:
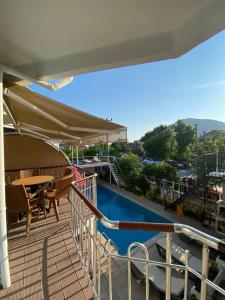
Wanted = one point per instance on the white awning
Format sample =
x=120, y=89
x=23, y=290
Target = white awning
x=55, y=38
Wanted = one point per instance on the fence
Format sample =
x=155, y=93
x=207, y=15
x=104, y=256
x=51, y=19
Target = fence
x=99, y=259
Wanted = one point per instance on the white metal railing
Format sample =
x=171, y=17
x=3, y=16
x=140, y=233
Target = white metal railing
x=99, y=259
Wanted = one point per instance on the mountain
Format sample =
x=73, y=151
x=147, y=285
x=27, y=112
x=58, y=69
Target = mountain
x=213, y=133
x=205, y=125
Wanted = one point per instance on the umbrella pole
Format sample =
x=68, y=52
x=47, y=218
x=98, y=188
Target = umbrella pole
x=4, y=259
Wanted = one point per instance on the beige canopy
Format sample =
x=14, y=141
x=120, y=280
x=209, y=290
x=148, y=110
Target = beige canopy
x=28, y=111
x=25, y=152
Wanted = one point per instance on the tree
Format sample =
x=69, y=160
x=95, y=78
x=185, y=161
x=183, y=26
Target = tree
x=185, y=135
x=131, y=168
x=135, y=147
x=161, y=171
x=155, y=131
x=94, y=149
x=203, y=153
x=117, y=148
x=160, y=143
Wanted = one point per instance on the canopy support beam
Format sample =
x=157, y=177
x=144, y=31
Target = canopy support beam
x=4, y=259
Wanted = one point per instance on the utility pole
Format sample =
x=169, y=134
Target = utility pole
x=196, y=130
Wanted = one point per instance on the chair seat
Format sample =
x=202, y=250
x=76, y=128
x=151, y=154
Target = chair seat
x=50, y=194
x=62, y=189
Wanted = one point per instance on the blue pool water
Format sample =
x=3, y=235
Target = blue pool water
x=117, y=207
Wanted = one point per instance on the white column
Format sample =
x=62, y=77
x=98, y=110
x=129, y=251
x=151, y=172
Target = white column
x=107, y=141
x=4, y=259
x=77, y=148
x=72, y=154
x=110, y=174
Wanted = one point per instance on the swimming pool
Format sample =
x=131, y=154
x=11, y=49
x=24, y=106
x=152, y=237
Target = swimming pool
x=117, y=207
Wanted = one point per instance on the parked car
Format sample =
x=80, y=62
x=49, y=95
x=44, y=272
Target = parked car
x=151, y=161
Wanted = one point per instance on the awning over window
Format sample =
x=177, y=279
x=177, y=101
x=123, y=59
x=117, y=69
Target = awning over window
x=28, y=111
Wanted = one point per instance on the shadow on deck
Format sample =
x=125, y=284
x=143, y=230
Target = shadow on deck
x=45, y=264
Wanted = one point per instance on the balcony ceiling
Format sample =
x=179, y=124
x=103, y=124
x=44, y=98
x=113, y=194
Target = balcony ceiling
x=55, y=38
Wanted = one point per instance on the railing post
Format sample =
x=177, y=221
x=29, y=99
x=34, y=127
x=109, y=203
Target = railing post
x=110, y=269
x=99, y=272
x=205, y=263
x=145, y=251
x=94, y=228
x=94, y=250
x=186, y=275
x=94, y=188
x=168, y=268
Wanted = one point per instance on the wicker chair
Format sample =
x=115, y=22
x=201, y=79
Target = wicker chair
x=68, y=171
x=28, y=173
x=62, y=189
x=18, y=200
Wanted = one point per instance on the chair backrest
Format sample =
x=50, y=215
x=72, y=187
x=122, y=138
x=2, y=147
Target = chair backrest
x=16, y=198
x=68, y=171
x=29, y=173
x=63, y=186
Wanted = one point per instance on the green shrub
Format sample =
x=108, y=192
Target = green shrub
x=141, y=184
x=161, y=171
x=131, y=169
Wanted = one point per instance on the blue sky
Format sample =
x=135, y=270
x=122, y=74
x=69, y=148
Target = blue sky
x=144, y=96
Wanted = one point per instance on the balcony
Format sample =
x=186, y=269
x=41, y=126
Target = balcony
x=45, y=264
x=70, y=259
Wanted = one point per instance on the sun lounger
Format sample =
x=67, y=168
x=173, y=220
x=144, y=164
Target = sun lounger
x=96, y=159
x=157, y=277
x=178, y=254
x=87, y=161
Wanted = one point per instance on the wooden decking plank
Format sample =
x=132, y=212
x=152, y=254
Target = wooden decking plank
x=45, y=264
x=75, y=261
x=78, y=268
x=63, y=263
x=32, y=274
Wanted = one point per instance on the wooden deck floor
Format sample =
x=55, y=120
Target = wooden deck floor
x=45, y=265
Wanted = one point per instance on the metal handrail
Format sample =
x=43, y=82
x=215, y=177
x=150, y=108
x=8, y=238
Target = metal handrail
x=84, y=170
x=110, y=241
x=96, y=256
x=194, y=233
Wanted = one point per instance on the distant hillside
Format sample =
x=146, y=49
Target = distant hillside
x=213, y=133
x=205, y=125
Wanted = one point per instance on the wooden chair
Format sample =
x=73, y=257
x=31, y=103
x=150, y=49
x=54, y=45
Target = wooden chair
x=62, y=189
x=18, y=200
x=68, y=171
x=28, y=172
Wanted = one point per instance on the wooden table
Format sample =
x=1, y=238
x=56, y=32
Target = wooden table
x=33, y=180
